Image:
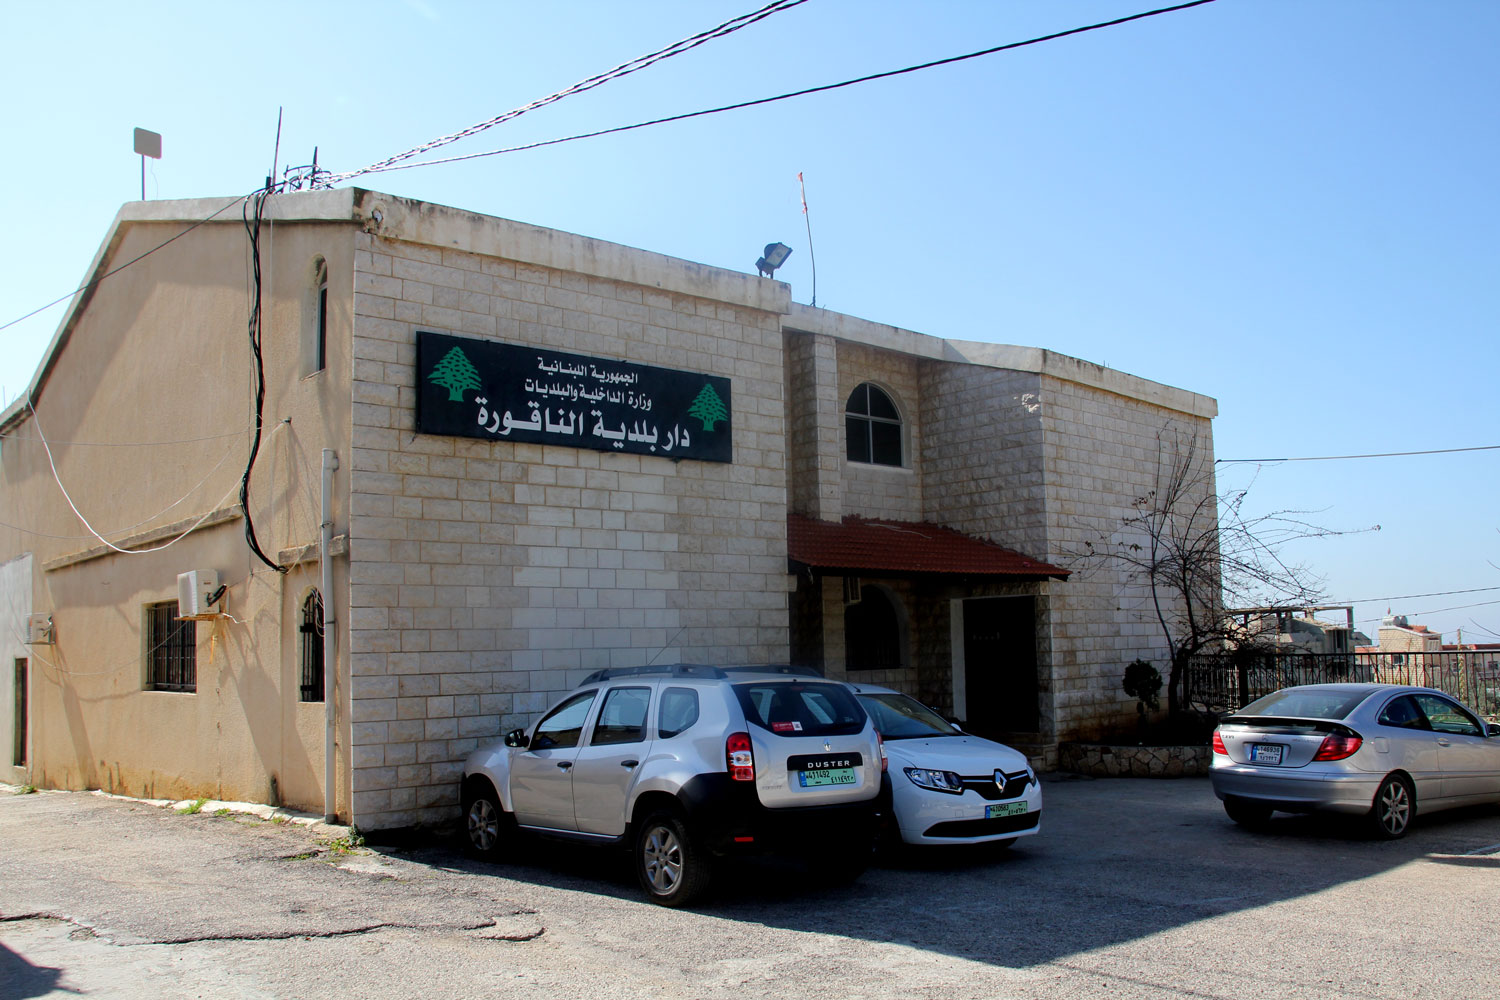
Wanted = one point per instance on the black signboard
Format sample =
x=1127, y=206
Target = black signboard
x=504, y=392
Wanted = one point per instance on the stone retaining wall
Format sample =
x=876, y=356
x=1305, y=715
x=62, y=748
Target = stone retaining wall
x=1104, y=761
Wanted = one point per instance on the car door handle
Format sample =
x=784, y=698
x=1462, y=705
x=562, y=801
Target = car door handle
x=630, y=763
x=565, y=764
x=1443, y=742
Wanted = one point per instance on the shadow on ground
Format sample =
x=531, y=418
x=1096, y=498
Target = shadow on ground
x=1117, y=860
x=20, y=979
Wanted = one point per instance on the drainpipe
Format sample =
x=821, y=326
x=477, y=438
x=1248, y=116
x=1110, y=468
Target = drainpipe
x=330, y=654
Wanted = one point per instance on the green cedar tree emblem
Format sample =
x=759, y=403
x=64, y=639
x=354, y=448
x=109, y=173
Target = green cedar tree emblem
x=708, y=407
x=455, y=374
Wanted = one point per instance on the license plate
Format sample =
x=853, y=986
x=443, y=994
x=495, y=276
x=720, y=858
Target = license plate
x=826, y=776
x=1265, y=753
x=1008, y=809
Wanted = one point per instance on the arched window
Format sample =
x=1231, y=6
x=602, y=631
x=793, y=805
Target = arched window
x=872, y=632
x=312, y=647
x=315, y=346
x=873, y=425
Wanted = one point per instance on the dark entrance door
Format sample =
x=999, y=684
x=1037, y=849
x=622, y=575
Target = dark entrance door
x=1000, y=682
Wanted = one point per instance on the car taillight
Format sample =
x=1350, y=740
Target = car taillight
x=885, y=762
x=1337, y=747
x=1219, y=746
x=740, y=757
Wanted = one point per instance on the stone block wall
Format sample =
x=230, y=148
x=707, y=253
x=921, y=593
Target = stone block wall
x=982, y=454
x=815, y=426
x=1102, y=454
x=488, y=578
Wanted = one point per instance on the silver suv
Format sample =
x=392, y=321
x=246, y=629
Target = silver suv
x=686, y=765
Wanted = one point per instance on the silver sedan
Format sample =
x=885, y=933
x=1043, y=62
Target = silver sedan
x=1379, y=751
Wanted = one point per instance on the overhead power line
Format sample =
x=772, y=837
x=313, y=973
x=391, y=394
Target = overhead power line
x=1436, y=611
x=1413, y=597
x=624, y=69
x=390, y=165
x=117, y=270
x=1339, y=458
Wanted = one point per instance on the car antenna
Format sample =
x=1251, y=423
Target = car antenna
x=667, y=646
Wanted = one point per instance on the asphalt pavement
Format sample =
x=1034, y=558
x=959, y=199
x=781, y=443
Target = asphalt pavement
x=1134, y=888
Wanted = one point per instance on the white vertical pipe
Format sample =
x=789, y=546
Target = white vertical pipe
x=330, y=653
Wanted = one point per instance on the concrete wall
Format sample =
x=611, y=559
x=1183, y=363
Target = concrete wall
x=147, y=409
x=489, y=578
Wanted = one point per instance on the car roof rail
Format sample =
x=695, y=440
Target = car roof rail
x=776, y=668
x=669, y=669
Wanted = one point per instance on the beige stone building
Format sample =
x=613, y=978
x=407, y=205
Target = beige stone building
x=553, y=454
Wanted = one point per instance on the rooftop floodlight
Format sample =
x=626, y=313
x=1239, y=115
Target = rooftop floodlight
x=776, y=255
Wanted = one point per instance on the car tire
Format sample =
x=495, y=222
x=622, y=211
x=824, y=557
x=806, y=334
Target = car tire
x=669, y=864
x=1248, y=814
x=1394, y=808
x=486, y=827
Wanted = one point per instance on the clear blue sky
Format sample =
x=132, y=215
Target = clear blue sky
x=1288, y=205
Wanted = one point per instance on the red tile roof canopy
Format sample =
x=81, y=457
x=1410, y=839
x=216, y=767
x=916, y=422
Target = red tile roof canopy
x=860, y=545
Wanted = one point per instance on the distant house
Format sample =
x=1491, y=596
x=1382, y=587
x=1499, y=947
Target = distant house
x=1398, y=635
x=1297, y=629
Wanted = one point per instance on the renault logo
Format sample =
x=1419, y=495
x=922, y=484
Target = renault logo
x=1000, y=781
x=828, y=747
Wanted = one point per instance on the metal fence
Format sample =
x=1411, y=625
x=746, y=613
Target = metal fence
x=1229, y=682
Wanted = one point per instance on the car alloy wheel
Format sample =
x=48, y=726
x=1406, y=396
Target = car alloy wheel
x=668, y=863
x=484, y=824
x=1394, y=807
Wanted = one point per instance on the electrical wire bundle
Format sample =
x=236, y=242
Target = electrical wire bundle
x=252, y=221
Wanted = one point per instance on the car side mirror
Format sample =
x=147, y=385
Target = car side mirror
x=1493, y=729
x=516, y=738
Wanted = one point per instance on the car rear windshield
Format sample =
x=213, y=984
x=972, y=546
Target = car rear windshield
x=801, y=708
x=1307, y=703
x=899, y=717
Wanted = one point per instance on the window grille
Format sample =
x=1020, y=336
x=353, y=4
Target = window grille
x=171, y=649
x=312, y=647
x=873, y=426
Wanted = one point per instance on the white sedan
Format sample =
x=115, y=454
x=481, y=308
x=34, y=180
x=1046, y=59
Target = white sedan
x=946, y=786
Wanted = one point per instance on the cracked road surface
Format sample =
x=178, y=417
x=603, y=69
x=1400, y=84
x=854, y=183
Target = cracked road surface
x=1134, y=889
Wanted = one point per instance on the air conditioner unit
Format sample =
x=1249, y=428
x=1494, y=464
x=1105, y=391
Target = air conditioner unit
x=194, y=590
x=39, y=630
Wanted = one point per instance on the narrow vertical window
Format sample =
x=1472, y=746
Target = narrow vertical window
x=320, y=345
x=18, y=757
x=171, y=649
x=312, y=647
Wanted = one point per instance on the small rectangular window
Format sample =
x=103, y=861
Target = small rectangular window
x=171, y=649
x=322, y=348
x=18, y=757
